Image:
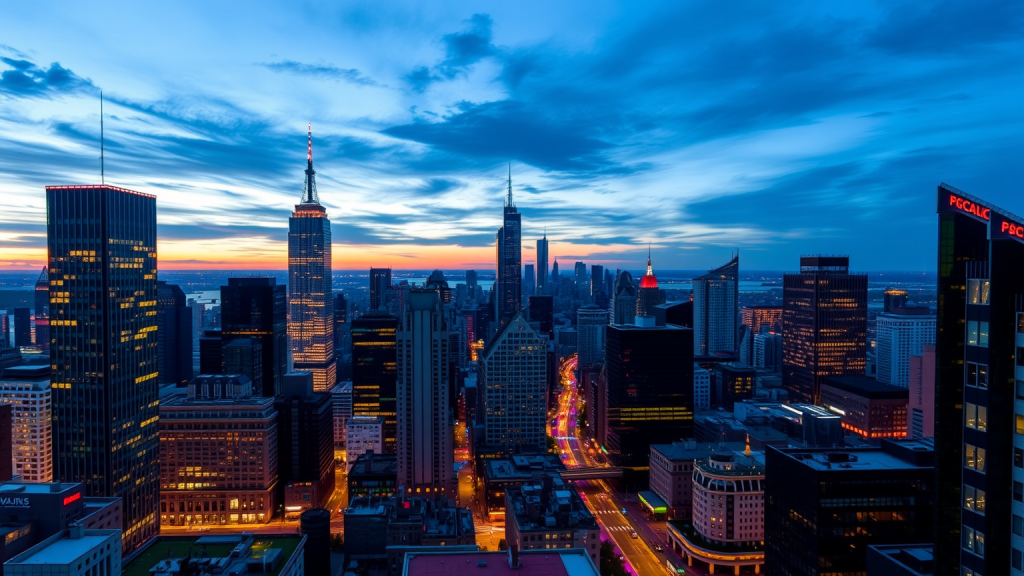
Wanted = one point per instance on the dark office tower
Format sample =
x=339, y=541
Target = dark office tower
x=542, y=264
x=825, y=506
x=582, y=286
x=173, y=335
x=554, y=276
x=471, y=279
x=255, y=308
x=6, y=442
x=596, y=281
x=508, y=266
x=648, y=296
x=623, y=304
x=243, y=356
x=893, y=298
x=437, y=283
x=649, y=371
x=103, y=323
x=211, y=352
x=380, y=283
x=824, y=325
x=341, y=333
x=22, y=327
x=425, y=456
x=310, y=297
x=42, y=311
x=716, y=298
x=305, y=437
x=374, y=371
x=977, y=406
x=530, y=284
x=542, y=310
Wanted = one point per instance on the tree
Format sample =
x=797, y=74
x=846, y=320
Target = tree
x=611, y=565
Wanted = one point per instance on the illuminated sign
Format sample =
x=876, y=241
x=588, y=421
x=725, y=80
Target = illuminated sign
x=959, y=204
x=6, y=502
x=72, y=498
x=1003, y=228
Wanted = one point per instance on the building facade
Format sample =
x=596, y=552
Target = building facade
x=375, y=371
x=590, y=331
x=542, y=264
x=41, y=312
x=868, y=408
x=648, y=295
x=380, y=283
x=716, y=297
x=425, y=456
x=921, y=406
x=363, y=434
x=508, y=286
x=824, y=325
x=310, y=297
x=27, y=390
x=701, y=387
x=101, y=243
x=305, y=454
x=255, y=308
x=549, y=515
x=899, y=334
x=514, y=383
x=623, y=301
x=174, y=335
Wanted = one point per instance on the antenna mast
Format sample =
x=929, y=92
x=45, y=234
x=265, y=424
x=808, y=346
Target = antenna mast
x=103, y=177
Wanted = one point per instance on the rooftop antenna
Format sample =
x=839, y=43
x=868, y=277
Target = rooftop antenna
x=103, y=176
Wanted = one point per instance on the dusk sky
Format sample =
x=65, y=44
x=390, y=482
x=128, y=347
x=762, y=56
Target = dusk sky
x=774, y=128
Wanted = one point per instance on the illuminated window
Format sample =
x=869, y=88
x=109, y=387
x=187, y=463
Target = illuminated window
x=1020, y=424
x=972, y=333
x=971, y=415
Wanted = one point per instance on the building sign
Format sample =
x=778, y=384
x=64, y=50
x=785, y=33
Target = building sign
x=72, y=498
x=7, y=502
x=1002, y=228
x=950, y=201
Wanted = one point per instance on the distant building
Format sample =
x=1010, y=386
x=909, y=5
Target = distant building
x=648, y=295
x=893, y=298
x=256, y=555
x=255, y=308
x=596, y=282
x=500, y=474
x=509, y=260
x=824, y=325
x=732, y=384
x=755, y=317
x=363, y=434
x=305, y=444
x=514, y=384
x=542, y=311
x=672, y=472
x=375, y=371
x=715, y=309
x=550, y=514
x=679, y=313
x=27, y=390
x=900, y=560
x=380, y=283
x=373, y=475
x=868, y=408
x=590, y=330
x=231, y=476
x=211, y=352
x=530, y=280
x=243, y=356
x=623, y=300
x=768, y=351
x=542, y=265
x=899, y=334
x=174, y=334
x=921, y=406
x=701, y=388
x=72, y=552
x=41, y=317
x=572, y=562
x=23, y=327
x=885, y=495
x=341, y=399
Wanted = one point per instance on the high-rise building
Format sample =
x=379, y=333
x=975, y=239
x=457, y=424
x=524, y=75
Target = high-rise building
x=508, y=265
x=341, y=397
x=425, y=456
x=380, y=283
x=716, y=297
x=701, y=387
x=977, y=399
x=554, y=276
x=243, y=356
x=649, y=389
x=27, y=389
x=649, y=295
x=514, y=383
x=211, y=352
x=375, y=371
x=623, y=305
x=732, y=384
x=305, y=440
x=596, y=281
x=590, y=332
x=173, y=335
x=757, y=320
x=42, y=311
x=867, y=407
x=824, y=325
x=893, y=298
x=542, y=264
x=542, y=311
x=471, y=281
x=530, y=284
x=255, y=308
x=768, y=351
x=22, y=327
x=6, y=442
x=921, y=406
x=363, y=434
x=102, y=259
x=824, y=507
x=342, y=336
x=310, y=297
x=900, y=333
x=231, y=476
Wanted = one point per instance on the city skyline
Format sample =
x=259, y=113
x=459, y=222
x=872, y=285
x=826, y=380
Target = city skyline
x=416, y=137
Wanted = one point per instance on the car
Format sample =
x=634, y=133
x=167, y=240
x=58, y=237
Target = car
x=633, y=534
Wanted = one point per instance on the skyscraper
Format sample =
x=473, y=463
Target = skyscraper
x=899, y=334
x=978, y=403
x=590, y=324
x=716, y=297
x=542, y=264
x=22, y=327
x=554, y=276
x=530, y=287
x=596, y=281
x=375, y=371
x=380, y=283
x=173, y=335
x=42, y=311
x=514, y=370
x=305, y=443
x=102, y=257
x=508, y=265
x=255, y=308
x=582, y=286
x=542, y=311
x=623, y=305
x=648, y=296
x=310, y=299
x=27, y=389
x=824, y=325
x=425, y=456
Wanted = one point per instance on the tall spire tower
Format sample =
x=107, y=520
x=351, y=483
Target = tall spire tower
x=648, y=296
x=542, y=264
x=509, y=260
x=310, y=297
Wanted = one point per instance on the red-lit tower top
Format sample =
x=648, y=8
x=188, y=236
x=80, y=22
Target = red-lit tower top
x=649, y=280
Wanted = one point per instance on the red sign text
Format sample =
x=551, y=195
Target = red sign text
x=969, y=207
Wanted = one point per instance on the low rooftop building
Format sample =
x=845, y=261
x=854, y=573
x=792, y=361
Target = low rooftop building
x=570, y=562
x=260, y=554
x=549, y=515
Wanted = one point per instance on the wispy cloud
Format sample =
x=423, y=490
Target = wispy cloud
x=328, y=71
x=24, y=79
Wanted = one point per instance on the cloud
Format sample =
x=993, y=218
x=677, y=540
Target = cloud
x=350, y=75
x=951, y=27
x=24, y=79
x=462, y=50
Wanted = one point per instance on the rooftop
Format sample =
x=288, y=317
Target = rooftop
x=14, y=488
x=866, y=387
x=848, y=459
x=62, y=549
x=370, y=463
x=27, y=372
x=682, y=451
x=572, y=562
x=222, y=551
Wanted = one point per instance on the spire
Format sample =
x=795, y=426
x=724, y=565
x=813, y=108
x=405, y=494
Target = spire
x=545, y=232
x=650, y=271
x=508, y=201
x=44, y=276
x=309, y=188
x=649, y=280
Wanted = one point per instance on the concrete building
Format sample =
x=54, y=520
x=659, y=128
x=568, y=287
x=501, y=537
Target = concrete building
x=425, y=452
x=733, y=383
x=768, y=352
x=921, y=408
x=256, y=555
x=426, y=562
x=364, y=434
x=701, y=388
x=672, y=472
x=623, y=301
x=868, y=408
x=72, y=552
x=305, y=454
x=341, y=399
x=373, y=475
x=900, y=334
x=218, y=454
x=514, y=383
x=500, y=474
x=716, y=309
x=550, y=515
x=590, y=333
x=27, y=389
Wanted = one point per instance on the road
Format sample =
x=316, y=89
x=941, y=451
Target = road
x=606, y=504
